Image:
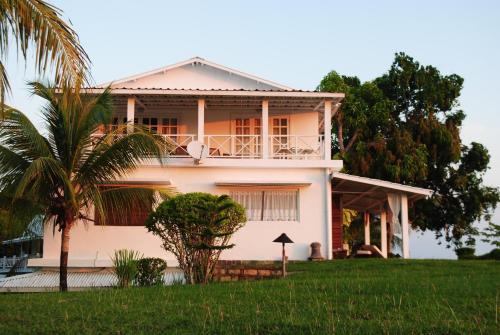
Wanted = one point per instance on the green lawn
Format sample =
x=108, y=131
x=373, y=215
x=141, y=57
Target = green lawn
x=341, y=297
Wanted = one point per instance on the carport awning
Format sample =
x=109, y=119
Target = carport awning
x=368, y=194
x=235, y=183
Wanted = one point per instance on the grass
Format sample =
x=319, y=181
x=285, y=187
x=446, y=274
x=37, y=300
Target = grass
x=340, y=297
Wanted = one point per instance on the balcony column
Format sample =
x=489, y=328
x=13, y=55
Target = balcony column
x=328, y=130
x=265, y=129
x=201, y=120
x=130, y=114
x=405, y=226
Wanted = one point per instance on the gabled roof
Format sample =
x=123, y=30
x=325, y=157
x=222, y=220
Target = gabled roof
x=197, y=61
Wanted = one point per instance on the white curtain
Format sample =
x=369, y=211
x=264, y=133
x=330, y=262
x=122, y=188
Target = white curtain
x=251, y=201
x=281, y=205
x=269, y=205
x=394, y=201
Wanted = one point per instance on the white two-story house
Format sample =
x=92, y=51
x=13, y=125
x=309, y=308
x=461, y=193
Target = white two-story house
x=269, y=148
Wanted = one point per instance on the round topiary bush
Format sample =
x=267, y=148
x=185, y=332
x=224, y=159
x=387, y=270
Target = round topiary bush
x=150, y=271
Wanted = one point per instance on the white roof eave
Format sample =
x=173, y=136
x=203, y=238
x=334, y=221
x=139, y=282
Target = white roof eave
x=382, y=183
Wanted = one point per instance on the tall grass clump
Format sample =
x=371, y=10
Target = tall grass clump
x=125, y=266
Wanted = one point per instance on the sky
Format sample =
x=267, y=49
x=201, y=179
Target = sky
x=296, y=43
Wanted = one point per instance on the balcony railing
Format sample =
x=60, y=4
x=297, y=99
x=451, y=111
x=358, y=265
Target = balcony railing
x=179, y=143
x=234, y=146
x=296, y=146
x=250, y=146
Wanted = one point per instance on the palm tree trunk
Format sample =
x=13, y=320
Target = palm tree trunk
x=63, y=265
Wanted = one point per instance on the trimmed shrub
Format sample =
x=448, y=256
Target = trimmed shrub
x=196, y=228
x=493, y=254
x=125, y=266
x=465, y=253
x=150, y=271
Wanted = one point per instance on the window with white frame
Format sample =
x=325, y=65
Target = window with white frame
x=269, y=205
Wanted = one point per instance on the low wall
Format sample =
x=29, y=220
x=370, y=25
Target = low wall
x=246, y=270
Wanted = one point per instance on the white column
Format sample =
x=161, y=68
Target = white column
x=201, y=120
x=130, y=114
x=264, y=122
x=383, y=232
x=405, y=226
x=328, y=130
x=367, y=228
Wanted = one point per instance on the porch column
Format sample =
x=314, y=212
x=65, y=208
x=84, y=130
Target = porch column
x=328, y=130
x=367, y=228
x=265, y=129
x=405, y=225
x=383, y=232
x=130, y=114
x=201, y=120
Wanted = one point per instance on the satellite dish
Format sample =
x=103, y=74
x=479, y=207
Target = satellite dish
x=198, y=150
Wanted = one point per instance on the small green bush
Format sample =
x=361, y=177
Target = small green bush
x=465, y=253
x=125, y=266
x=493, y=254
x=150, y=271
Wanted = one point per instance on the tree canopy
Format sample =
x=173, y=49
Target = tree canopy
x=404, y=126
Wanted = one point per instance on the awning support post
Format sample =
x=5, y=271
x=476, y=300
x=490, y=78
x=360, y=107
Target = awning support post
x=367, y=228
x=405, y=225
x=383, y=232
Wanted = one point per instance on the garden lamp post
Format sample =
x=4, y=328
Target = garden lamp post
x=283, y=239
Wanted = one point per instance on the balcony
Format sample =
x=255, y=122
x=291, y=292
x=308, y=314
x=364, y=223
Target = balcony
x=276, y=129
x=250, y=146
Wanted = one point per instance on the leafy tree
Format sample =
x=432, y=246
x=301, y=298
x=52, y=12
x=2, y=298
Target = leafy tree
x=196, y=228
x=404, y=127
x=492, y=235
x=63, y=171
x=37, y=24
x=15, y=216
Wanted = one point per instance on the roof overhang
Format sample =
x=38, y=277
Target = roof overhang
x=217, y=92
x=262, y=183
x=139, y=184
x=368, y=194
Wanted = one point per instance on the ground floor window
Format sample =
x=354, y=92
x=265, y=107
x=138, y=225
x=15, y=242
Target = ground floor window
x=134, y=215
x=269, y=205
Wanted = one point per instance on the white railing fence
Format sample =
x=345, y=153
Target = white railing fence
x=178, y=144
x=249, y=146
x=296, y=146
x=234, y=146
x=6, y=263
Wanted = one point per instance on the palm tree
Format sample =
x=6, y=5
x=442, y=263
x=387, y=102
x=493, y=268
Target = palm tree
x=66, y=170
x=35, y=23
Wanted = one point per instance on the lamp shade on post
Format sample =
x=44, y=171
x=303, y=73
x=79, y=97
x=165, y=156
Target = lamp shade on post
x=283, y=238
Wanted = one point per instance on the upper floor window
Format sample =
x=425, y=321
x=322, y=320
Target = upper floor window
x=269, y=205
x=169, y=126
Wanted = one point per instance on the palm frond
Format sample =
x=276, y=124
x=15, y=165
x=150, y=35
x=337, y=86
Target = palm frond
x=20, y=135
x=12, y=167
x=44, y=177
x=115, y=155
x=56, y=44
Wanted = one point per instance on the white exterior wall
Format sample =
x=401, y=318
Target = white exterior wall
x=93, y=245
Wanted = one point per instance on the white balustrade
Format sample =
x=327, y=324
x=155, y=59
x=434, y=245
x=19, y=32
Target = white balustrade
x=296, y=146
x=234, y=146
